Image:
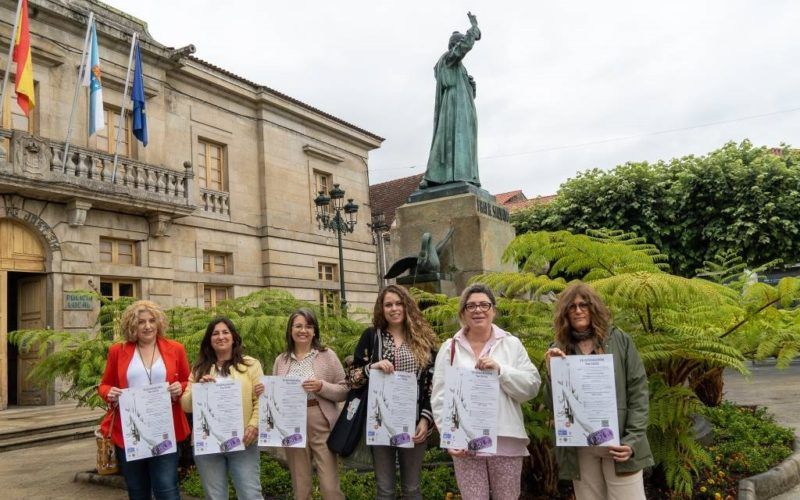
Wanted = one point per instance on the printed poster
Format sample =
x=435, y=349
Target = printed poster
x=217, y=417
x=146, y=417
x=392, y=414
x=283, y=411
x=585, y=400
x=471, y=400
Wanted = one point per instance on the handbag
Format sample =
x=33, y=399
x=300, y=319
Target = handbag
x=349, y=428
x=106, y=453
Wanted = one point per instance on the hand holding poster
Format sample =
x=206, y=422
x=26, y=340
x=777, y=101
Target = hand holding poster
x=146, y=417
x=585, y=400
x=283, y=410
x=217, y=417
x=471, y=400
x=392, y=413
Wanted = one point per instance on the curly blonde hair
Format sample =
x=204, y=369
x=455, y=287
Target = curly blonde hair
x=419, y=334
x=600, y=315
x=130, y=318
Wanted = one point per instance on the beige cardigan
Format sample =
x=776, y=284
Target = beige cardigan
x=327, y=368
x=248, y=379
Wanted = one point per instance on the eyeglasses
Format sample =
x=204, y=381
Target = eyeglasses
x=580, y=305
x=482, y=306
x=303, y=327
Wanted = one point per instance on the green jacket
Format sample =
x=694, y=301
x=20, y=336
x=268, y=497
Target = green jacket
x=632, y=408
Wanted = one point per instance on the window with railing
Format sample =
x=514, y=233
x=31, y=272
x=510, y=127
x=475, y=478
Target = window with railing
x=211, y=165
x=105, y=139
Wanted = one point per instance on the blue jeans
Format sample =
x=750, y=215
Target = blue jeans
x=244, y=469
x=151, y=477
x=385, y=458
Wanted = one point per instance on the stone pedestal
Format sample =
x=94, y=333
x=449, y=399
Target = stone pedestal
x=481, y=233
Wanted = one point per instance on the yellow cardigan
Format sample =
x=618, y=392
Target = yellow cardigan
x=250, y=377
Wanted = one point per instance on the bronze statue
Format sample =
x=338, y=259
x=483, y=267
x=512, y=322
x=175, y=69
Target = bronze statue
x=425, y=262
x=454, y=148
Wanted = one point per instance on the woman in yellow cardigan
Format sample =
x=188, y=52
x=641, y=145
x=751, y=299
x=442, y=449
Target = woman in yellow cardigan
x=221, y=356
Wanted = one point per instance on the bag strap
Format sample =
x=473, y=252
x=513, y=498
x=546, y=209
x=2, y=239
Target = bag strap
x=452, y=350
x=113, y=410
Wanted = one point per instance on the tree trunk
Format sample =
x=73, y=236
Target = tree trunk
x=708, y=384
x=540, y=471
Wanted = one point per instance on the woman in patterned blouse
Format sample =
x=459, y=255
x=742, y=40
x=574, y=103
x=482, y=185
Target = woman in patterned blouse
x=324, y=382
x=405, y=342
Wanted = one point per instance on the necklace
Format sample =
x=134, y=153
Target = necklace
x=149, y=372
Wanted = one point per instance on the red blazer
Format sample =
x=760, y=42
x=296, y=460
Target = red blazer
x=116, y=375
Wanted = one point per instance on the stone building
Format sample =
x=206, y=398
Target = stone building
x=219, y=204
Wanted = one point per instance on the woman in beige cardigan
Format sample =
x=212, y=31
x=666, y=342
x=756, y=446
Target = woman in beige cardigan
x=221, y=356
x=324, y=382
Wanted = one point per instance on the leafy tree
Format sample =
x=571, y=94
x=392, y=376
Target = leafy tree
x=261, y=317
x=739, y=198
x=684, y=328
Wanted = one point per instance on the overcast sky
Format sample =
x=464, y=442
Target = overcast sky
x=563, y=86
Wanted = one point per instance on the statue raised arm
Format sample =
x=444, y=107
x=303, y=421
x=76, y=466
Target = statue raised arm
x=454, y=149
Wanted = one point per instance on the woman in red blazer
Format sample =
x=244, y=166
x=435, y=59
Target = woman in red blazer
x=146, y=357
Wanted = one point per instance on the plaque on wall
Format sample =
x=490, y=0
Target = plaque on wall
x=77, y=301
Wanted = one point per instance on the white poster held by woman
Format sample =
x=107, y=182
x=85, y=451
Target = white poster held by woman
x=283, y=412
x=146, y=417
x=584, y=400
x=392, y=413
x=217, y=423
x=470, y=410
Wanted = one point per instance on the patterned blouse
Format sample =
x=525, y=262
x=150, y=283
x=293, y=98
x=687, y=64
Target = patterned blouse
x=303, y=368
x=401, y=357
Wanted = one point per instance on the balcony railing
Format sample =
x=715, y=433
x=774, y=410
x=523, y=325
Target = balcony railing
x=215, y=203
x=36, y=165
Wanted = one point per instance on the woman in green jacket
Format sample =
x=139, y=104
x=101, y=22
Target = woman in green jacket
x=583, y=326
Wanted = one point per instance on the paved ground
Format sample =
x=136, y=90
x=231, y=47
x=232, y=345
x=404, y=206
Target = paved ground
x=776, y=389
x=46, y=472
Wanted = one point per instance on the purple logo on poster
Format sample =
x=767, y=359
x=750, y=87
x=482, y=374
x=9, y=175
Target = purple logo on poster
x=480, y=443
x=161, y=447
x=399, y=439
x=292, y=439
x=599, y=437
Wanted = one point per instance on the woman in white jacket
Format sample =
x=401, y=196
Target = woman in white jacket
x=483, y=345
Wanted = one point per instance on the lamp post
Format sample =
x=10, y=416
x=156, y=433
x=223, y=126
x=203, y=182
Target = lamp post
x=338, y=224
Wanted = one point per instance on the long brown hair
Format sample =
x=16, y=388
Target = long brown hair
x=600, y=315
x=207, y=357
x=419, y=334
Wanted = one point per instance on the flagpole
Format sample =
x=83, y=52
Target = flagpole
x=122, y=107
x=81, y=69
x=10, y=56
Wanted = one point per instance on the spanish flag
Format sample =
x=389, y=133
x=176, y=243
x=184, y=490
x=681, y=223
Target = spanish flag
x=23, y=83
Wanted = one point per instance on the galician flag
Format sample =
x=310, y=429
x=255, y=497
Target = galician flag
x=137, y=96
x=91, y=79
x=23, y=82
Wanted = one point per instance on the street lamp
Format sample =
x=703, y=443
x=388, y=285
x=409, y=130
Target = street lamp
x=338, y=224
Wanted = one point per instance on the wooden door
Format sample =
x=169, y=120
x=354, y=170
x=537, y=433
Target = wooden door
x=31, y=310
x=3, y=340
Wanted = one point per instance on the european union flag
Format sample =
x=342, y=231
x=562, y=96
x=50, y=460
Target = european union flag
x=137, y=96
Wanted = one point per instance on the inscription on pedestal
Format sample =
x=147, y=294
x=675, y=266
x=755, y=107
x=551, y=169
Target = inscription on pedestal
x=492, y=210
